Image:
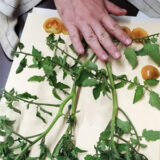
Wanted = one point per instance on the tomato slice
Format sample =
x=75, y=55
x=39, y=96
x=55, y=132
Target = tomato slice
x=53, y=25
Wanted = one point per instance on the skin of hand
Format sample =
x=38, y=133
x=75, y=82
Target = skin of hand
x=91, y=19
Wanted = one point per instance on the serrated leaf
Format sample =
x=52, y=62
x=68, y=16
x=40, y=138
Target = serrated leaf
x=135, y=80
x=55, y=94
x=151, y=135
x=89, y=83
x=120, y=85
x=151, y=82
x=124, y=125
x=36, y=53
x=90, y=157
x=62, y=86
x=45, y=111
x=154, y=100
x=27, y=95
x=22, y=65
x=60, y=40
x=131, y=57
x=9, y=140
x=20, y=45
x=138, y=94
x=96, y=91
x=131, y=85
x=72, y=48
x=92, y=66
x=153, y=52
x=141, y=52
x=38, y=114
x=83, y=76
x=13, y=108
x=36, y=79
x=2, y=133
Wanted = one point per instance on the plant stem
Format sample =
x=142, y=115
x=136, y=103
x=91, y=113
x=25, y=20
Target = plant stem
x=129, y=145
x=137, y=84
x=142, y=38
x=18, y=135
x=31, y=102
x=136, y=134
x=68, y=54
x=115, y=106
x=59, y=114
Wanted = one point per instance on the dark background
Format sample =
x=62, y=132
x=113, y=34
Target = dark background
x=5, y=63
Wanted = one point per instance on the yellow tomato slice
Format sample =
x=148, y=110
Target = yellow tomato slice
x=139, y=33
x=53, y=25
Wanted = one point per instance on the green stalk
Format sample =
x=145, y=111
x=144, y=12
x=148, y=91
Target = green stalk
x=135, y=131
x=115, y=107
x=59, y=114
x=31, y=102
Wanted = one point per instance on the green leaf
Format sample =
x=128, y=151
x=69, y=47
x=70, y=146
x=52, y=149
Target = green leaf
x=141, y=52
x=96, y=91
x=131, y=57
x=151, y=82
x=124, y=125
x=36, y=53
x=27, y=95
x=45, y=111
x=36, y=79
x=2, y=133
x=72, y=48
x=38, y=114
x=62, y=86
x=50, y=41
x=92, y=66
x=138, y=94
x=122, y=147
x=154, y=100
x=13, y=108
x=10, y=141
x=55, y=94
x=135, y=80
x=89, y=83
x=153, y=52
x=151, y=135
x=120, y=84
x=90, y=157
x=83, y=76
x=20, y=45
x=60, y=40
x=131, y=85
x=22, y=65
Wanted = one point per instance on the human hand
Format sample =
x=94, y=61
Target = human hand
x=91, y=19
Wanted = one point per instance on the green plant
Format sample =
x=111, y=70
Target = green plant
x=112, y=144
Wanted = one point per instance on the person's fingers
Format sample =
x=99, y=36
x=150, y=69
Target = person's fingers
x=112, y=8
x=75, y=38
x=93, y=42
x=113, y=28
x=105, y=40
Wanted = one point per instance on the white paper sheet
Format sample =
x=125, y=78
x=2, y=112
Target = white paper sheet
x=94, y=115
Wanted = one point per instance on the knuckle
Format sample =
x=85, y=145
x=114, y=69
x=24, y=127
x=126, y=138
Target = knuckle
x=102, y=37
x=91, y=37
x=114, y=27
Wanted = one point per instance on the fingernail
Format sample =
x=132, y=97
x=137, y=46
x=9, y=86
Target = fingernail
x=128, y=41
x=80, y=50
x=117, y=55
x=104, y=57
